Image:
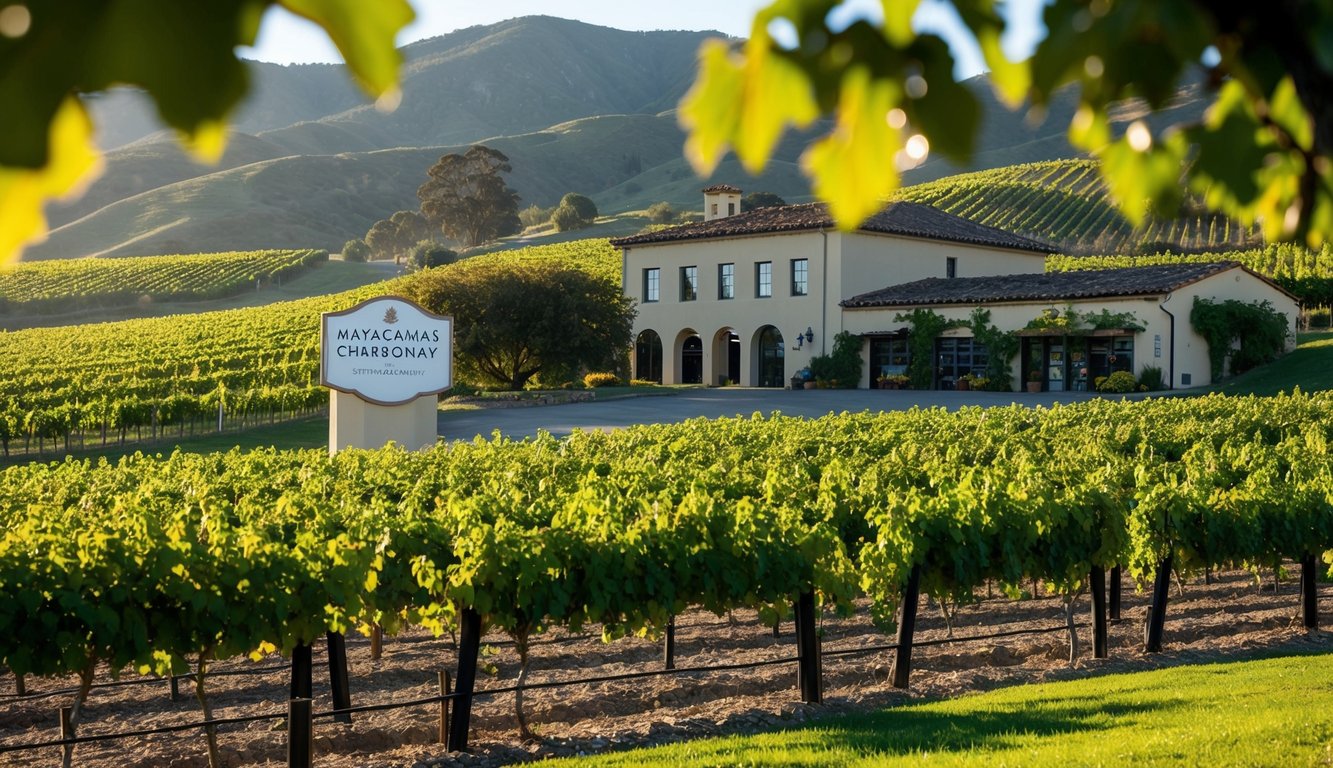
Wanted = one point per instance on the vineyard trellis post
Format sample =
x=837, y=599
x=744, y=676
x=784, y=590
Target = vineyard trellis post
x=446, y=689
x=300, y=732
x=1098, y=580
x=1113, y=602
x=469, y=647
x=338, y=682
x=808, y=672
x=1309, y=591
x=1152, y=636
x=902, y=657
x=67, y=732
x=669, y=645
x=302, y=673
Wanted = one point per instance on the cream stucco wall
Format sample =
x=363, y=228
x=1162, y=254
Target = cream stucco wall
x=746, y=315
x=874, y=261
x=1013, y=316
x=719, y=205
x=844, y=265
x=1152, y=347
x=1192, y=350
x=840, y=266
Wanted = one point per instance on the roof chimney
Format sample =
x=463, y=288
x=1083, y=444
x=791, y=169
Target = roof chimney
x=721, y=201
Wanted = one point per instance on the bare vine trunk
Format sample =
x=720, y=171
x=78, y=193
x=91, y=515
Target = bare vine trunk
x=76, y=711
x=1070, y=600
x=521, y=645
x=210, y=731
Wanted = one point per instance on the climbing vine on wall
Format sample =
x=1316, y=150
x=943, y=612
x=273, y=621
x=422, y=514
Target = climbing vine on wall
x=1260, y=329
x=926, y=326
x=1001, y=347
x=1073, y=320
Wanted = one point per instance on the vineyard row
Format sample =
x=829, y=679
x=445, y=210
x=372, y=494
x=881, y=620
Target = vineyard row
x=153, y=561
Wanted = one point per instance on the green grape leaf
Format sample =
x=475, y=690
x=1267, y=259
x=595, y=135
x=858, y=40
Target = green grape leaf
x=853, y=167
x=364, y=33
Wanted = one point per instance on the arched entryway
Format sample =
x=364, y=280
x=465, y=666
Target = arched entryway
x=692, y=360
x=726, y=358
x=648, y=357
x=769, y=362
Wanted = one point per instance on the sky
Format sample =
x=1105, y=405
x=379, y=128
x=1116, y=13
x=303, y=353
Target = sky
x=287, y=39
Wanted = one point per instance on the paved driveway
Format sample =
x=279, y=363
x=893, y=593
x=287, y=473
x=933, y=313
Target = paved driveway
x=714, y=403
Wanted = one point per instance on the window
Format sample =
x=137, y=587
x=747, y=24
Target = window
x=726, y=281
x=731, y=209
x=951, y=266
x=714, y=209
x=800, y=277
x=955, y=357
x=763, y=279
x=689, y=283
x=651, y=280
x=889, y=356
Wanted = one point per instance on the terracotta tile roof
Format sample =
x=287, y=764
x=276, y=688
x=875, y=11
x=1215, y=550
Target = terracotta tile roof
x=1049, y=286
x=902, y=218
x=722, y=188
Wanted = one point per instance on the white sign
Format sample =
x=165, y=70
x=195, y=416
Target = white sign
x=387, y=351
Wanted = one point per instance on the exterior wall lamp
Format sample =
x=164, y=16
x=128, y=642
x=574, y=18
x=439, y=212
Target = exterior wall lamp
x=805, y=338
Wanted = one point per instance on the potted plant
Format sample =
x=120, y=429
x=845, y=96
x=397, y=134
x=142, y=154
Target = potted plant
x=964, y=383
x=1034, y=380
x=894, y=381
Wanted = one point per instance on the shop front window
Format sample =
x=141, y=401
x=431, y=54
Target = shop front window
x=955, y=357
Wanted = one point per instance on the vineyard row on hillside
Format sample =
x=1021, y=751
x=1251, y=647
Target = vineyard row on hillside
x=152, y=562
x=1306, y=273
x=112, y=382
x=47, y=287
x=1066, y=203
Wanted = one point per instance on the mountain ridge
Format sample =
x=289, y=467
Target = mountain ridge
x=577, y=107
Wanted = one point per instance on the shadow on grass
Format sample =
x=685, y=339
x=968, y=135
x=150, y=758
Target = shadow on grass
x=1000, y=719
x=918, y=728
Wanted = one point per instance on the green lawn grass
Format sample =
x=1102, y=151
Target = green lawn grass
x=1274, y=711
x=1310, y=367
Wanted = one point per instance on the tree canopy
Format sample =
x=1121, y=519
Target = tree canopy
x=582, y=205
x=1261, y=153
x=516, y=321
x=756, y=200
x=356, y=250
x=183, y=57
x=397, y=235
x=466, y=197
x=661, y=213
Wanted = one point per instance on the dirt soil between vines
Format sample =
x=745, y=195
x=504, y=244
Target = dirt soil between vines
x=1231, y=618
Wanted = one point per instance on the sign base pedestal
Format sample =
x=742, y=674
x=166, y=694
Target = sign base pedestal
x=354, y=423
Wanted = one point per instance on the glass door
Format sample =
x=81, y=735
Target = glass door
x=1055, y=365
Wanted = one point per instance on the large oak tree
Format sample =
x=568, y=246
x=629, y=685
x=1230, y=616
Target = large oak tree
x=515, y=322
x=466, y=197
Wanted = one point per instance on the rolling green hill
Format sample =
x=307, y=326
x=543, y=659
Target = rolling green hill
x=505, y=79
x=322, y=200
x=576, y=107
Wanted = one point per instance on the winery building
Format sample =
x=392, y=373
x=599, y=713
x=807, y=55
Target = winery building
x=750, y=298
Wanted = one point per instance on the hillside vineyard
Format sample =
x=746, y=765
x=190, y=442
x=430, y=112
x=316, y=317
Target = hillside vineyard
x=75, y=284
x=114, y=382
x=152, y=561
